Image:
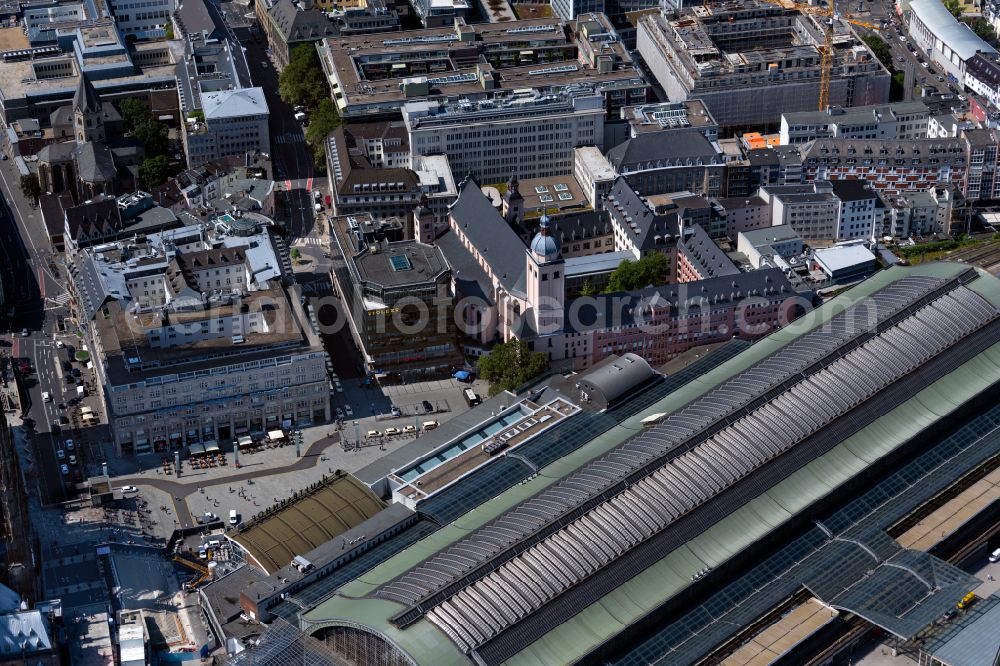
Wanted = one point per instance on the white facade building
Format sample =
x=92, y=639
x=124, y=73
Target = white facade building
x=528, y=134
x=235, y=123
x=899, y=120
x=146, y=19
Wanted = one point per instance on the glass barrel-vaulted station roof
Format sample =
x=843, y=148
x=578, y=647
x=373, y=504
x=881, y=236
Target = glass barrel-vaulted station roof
x=541, y=565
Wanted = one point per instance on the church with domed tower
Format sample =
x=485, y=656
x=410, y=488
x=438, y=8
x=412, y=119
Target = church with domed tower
x=506, y=288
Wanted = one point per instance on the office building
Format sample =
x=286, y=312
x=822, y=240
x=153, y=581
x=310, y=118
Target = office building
x=530, y=134
x=373, y=75
x=196, y=337
x=769, y=246
x=222, y=113
x=751, y=62
x=288, y=26
x=397, y=300
x=689, y=115
x=374, y=173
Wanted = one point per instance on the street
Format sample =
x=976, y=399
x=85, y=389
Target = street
x=292, y=159
x=40, y=283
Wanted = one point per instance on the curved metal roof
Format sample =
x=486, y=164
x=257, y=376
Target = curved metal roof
x=953, y=33
x=618, y=378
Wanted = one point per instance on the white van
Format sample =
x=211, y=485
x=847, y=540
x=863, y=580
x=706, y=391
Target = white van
x=995, y=556
x=430, y=425
x=233, y=517
x=300, y=116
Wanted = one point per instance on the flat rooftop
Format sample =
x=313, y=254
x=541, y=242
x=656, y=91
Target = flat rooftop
x=515, y=426
x=448, y=58
x=125, y=334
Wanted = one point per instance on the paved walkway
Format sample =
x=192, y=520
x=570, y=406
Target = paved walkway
x=179, y=489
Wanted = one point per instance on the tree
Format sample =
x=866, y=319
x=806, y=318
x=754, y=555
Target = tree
x=587, y=289
x=154, y=171
x=168, y=32
x=953, y=6
x=133, y=113
x=325, y=119
x=880, y=49
x=302, y=81
x=511, y=364
x=983, y=29
x=30, y=187
x=153, y=136
x=651, y=270
x=295, y=254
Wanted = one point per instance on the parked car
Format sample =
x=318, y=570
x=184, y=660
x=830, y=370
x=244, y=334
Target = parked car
x=69, y=445
x=72, y=460
x=339, y=387
x=46, y=396
x=409, y=429
x=60, y=454
x=396, y=411
x=995, y=556
x=24, y=333
x=348, y=411
x=129, y=490
x=389, y=432
x=60, y=344
x=373, y=434
x=64, y=469
x=428, y=407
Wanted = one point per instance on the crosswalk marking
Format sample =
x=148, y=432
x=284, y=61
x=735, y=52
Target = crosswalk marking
x=289, y=137
x=308, y=240
x=61, y=299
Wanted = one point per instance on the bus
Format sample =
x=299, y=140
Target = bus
x=471, y=397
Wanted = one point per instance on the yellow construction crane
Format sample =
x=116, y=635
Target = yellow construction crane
x=829, y=15
x=201, y=569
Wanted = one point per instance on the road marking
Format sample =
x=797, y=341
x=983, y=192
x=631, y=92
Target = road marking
x=41, y=282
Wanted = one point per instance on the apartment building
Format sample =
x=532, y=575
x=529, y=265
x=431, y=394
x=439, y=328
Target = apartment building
x=826, y=211
x=918, y=214
x=527, y=133
x=889, y=166
x=898, y=120
x=983, y=180
x=197, y=339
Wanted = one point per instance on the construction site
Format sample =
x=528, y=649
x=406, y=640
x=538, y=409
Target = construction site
x=751, y=61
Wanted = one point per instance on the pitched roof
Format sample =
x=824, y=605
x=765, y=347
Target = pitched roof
x=637, y=218
x=487, y=231
x=95, y=163
x=86, y=98
x=100, y=216
x=663, y=146
x=702, y=252
x=194, y=16
x=298, y=26
x=233, y=103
